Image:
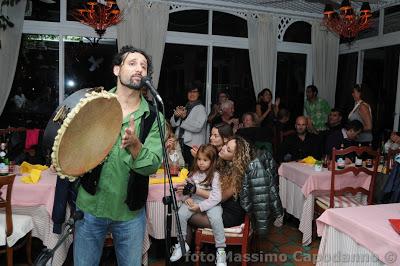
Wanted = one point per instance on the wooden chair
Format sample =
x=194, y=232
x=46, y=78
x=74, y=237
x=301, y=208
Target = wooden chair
x=243, y=239
x=349, y=196
x=15, y=226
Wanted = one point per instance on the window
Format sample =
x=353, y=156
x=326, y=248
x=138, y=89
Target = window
x=194, y=21
x=392, y=19
x=228, y=25
x=88, y=64
x=299, y=31
x=48, y=10
x=34, y=93
x=181, y=65
x=290, y=82
x=346, y=78
x=231, y=72
x=380, y=76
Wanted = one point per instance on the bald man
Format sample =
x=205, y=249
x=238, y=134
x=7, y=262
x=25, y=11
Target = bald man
x=301, y=144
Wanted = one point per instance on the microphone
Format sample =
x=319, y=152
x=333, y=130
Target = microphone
x=147, y=81
x=78, y=215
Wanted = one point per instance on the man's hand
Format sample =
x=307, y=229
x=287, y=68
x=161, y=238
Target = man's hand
x=130, y=140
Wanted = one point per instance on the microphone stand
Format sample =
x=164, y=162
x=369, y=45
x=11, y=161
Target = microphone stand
x=168, y=200
x=48, y=254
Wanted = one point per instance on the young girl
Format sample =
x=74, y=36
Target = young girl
x=203, y=176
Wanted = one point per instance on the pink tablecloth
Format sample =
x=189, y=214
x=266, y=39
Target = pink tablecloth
x=156, y=192
x=367, y=225
x=310, y=180
x=42, y=193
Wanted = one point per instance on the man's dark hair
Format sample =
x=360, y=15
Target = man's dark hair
x=337, y=110
x=313, y=89
x=355, y=125
x=123, y=53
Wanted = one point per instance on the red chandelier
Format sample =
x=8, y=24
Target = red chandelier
x=347, y=24
x=99, y=16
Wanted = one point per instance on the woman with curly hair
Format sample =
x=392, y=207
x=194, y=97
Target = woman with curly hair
x=249, y=184
x=233, y=160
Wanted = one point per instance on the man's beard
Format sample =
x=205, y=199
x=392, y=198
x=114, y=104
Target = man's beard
x=133, y=86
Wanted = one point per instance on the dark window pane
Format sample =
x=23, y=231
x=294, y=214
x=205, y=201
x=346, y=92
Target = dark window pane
x=392, y=19
x=380, y=77
x=290, y=80
x=194, y=21
x=229, y=25
x=72, y=5
x=88, y=64
x=48, y=10
x=231, y=72
x=346, y=78
x=181, y=65
x=299, y=31
x=34, y=93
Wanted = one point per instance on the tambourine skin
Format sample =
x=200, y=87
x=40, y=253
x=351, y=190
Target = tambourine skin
x=88, y=126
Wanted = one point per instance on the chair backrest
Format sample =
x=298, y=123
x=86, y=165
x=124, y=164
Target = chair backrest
x=284, y=134
x=7, y=181
x=360, y=151
x=390, y=158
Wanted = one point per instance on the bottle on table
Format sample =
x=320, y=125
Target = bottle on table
x=340, y=161
x=4, y=161
x=368, y=161
x=358, y=161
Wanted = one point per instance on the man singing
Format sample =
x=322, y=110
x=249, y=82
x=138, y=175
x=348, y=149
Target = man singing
x=116, y=204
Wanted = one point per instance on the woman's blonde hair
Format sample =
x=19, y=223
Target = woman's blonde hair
x=232, y=172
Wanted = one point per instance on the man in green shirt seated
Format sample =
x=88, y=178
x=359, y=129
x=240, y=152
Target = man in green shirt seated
x=110, y=206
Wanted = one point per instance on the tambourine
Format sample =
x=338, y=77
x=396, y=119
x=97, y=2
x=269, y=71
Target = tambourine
x=82, y=131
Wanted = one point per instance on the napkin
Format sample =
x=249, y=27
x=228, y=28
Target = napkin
x=34, y=172
x=177, y=179
x=308, y=160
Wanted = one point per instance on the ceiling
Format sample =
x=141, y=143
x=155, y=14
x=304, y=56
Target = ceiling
x=312, y=8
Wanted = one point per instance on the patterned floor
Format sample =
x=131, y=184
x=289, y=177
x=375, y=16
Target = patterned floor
x=281, y=247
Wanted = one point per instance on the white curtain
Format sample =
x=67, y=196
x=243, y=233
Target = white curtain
x=262, y=50
x=325, y=53
x=144, y=26
x=10, y=41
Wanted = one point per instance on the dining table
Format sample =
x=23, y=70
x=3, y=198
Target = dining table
x=155, y=208
x=36, y=200
x=359, y=236
x=300, y=183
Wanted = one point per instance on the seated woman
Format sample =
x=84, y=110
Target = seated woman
x=393, y=142
x=172, y=145
x=242, y=177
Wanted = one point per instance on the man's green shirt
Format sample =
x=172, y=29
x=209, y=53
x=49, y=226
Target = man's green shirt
x=109, y=200
x=318, y=111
